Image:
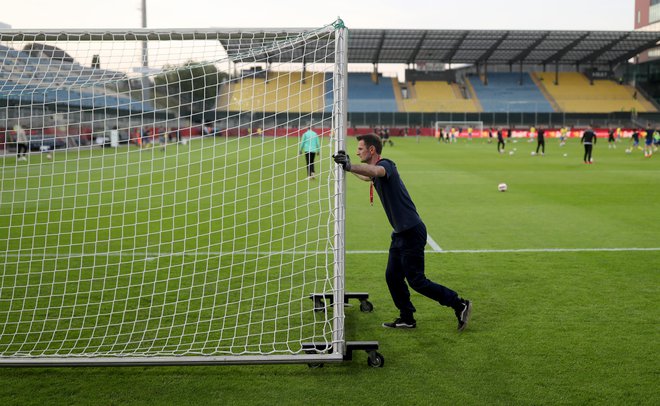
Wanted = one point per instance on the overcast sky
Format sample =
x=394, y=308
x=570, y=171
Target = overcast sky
x=415, y=14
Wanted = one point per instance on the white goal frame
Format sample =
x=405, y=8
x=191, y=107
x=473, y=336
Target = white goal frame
x=332, y=351
x=477, y=127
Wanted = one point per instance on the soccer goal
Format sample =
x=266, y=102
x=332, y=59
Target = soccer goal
x=456, y=129
x=162, y=213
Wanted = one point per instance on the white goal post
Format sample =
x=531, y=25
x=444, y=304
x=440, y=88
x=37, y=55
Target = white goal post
x=469, y=129
x=157, y=208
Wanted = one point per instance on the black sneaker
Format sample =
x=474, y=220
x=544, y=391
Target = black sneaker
x=463, y=314
x=401, y=323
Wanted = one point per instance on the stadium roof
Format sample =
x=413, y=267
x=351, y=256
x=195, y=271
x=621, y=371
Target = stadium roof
x=402, y=46
x=498, y=47
x=378, y=46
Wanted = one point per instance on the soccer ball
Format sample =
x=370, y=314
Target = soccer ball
x=502, y=187
x=533, y=153
x=628, y=150
x=565, y=155
x=510, y=152
x=49, y=156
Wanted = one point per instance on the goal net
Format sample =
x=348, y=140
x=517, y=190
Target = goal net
x=155, y=205
x=460, y=129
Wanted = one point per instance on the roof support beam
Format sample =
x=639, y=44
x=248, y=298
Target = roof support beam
x=493, y=47
x=558, y=55
x=457, y=46
x=418, y=47
x=594, y=55
x=640, y=49
x=522, y=55
x=376, y=57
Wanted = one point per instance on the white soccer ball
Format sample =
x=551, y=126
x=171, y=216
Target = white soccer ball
x=502, y=187
x=184, y=141
x=565, y=155
x=628, y=151
x=533, y=153
x=49, y=156
x=510, y=152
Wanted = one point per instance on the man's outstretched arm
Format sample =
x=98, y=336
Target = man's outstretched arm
x=367, y=172
x=363, y=171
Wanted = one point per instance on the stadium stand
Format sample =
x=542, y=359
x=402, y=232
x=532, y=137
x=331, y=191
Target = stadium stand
x=33, y=77
x=505, y=93
x=263, y=92
x=432, y=96
x=369, y=96
x=575, y=94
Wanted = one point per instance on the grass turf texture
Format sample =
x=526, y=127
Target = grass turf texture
x=549, y=326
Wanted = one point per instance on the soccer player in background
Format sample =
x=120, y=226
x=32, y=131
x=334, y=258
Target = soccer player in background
x=406, y=254
x=540, y=140
x=114, y=137
x=562, y=136
x=648, y=143
x=22, y=142
x=310, y=146
x=611, y=142
x=588, y=139
x=635, y=139
x=500, y=141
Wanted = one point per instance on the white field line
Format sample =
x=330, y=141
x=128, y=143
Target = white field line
x=431, y=242
x=154, y=255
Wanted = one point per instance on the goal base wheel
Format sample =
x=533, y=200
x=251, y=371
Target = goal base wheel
x=375, y=359
x=366, y=306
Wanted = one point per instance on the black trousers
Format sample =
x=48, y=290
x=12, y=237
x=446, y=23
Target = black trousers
x=499, y=142
x=21, y=146
x=541, y=144
x=587, y=152
x=309, y=160
x=406, y=264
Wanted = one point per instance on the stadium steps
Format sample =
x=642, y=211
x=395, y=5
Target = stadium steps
x=473, y=95
x=510, y=92
x=432, y=96
x=397, y=95
x=541, y=85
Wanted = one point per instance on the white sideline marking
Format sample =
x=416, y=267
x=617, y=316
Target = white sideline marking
x=154, y=255
x=432, y=243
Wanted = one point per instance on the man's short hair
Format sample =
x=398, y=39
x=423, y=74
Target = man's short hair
x=371, y=140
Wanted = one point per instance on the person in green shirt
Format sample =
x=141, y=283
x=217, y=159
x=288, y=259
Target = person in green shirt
x=310, y=146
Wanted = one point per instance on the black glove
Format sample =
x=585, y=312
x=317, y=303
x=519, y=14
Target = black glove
x=342, y=159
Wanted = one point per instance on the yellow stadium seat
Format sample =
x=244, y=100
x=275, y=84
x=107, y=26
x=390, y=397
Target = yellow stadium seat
x=574, y=94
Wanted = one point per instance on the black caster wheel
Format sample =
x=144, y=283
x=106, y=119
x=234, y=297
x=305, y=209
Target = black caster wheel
x=366, y=306
x=375, y=359
x=319, y=305
x=315, y=365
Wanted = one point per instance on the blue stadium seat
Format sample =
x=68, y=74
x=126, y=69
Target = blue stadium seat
x=504, y=93
x=364, y=95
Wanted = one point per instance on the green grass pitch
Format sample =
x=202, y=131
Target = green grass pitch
x=562, y=269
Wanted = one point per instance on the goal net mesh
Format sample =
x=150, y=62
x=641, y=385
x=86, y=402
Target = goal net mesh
x=163, y=207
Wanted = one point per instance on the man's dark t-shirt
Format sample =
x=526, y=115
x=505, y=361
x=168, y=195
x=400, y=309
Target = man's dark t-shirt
x=589, y=137
x=398, y=205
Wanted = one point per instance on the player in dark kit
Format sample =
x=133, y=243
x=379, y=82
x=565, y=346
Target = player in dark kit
x=500, y=141
x=406, y=254
x=588, y=139
x=540, y=141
